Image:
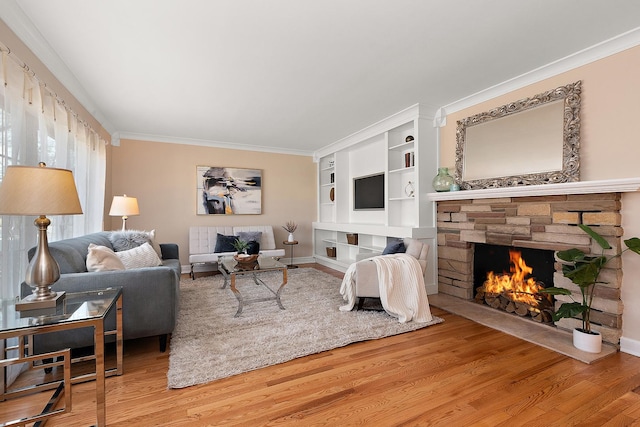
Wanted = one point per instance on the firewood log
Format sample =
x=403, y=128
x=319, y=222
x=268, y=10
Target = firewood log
x=522, y=309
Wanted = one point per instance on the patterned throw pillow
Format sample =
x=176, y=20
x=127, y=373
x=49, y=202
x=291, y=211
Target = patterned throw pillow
x=102, y=258
x=128, y=239
x=142, y=256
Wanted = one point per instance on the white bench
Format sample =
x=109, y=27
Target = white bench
x=202, y=243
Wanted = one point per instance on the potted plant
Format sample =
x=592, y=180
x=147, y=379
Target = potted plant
x=290, y=226
x=244, y=260
x=584, y=270
x=240, y=246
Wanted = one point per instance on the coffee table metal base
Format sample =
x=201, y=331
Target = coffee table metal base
x=231, y=277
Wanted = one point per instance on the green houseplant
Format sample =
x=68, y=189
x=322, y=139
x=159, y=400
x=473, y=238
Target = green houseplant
x=240, y=246
x=244, y=260
x=584, y=270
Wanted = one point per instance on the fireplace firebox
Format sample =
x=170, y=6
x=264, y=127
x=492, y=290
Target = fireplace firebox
x=509, y=279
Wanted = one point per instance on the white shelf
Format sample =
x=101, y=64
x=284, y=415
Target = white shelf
x=403, y=146
x=402, y=199
x=403, y=170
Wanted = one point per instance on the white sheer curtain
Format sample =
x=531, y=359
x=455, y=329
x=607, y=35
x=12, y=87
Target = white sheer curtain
x=36, y=126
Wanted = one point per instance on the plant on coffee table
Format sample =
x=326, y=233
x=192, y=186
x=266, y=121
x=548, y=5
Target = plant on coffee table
x=241, y=246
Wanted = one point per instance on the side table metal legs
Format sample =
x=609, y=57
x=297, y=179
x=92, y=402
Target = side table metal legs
x=291, y=245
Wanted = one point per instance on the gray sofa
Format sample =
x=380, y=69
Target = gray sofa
x=149, y=295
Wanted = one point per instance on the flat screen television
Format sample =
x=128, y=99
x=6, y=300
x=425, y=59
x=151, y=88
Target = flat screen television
x=368, y=192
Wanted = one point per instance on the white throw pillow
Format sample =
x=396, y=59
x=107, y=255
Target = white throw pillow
x=142, y=256
x=102, y=258
x=129, y=239
x=154, y=243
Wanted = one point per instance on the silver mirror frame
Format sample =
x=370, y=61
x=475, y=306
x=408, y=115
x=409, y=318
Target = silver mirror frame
x=571, y=96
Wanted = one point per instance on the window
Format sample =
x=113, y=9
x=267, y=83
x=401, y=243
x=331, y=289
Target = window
x=35, y=126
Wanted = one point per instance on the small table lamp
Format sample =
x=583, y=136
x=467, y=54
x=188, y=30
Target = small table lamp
x=125, y=207
x=41, y=191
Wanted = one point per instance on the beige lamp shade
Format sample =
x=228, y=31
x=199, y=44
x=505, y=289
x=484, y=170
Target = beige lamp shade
x=40, y=191
x=124, y=206
x=30, y=190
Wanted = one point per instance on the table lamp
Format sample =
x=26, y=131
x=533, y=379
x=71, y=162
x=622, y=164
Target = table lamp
x=125, y=207
x=41, y=191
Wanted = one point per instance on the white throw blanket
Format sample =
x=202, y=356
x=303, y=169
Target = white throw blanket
x=402, y=291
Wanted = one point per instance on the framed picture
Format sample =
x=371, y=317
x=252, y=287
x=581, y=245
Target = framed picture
x=228, y=191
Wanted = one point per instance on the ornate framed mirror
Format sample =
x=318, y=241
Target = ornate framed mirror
x=531, y=141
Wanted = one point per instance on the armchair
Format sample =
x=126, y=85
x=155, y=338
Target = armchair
x=367, y=283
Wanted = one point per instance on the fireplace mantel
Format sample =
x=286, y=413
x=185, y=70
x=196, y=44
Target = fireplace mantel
x=624, y=185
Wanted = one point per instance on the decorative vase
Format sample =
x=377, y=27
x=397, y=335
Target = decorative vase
x=443, y=181
x=591, y=343
x=290, y=238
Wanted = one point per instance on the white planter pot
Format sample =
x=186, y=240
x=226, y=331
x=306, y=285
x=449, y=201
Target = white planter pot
x=591, y=343
x=290, y=238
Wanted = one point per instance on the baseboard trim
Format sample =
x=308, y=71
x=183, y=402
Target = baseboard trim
x=629, y=346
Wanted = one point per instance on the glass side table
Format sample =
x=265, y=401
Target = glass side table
x=77, y=310
x=291, y=246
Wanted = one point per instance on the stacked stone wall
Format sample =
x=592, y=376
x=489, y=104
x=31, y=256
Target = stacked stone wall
x=539, y=222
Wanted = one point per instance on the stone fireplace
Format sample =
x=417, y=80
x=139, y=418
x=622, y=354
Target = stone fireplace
x=546, y=222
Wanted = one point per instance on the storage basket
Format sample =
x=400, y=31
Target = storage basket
x=331, y=251
x=352, y=239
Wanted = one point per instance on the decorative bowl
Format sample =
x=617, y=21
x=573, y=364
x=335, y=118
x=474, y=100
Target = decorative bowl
x=246, y=262
x=244, y=258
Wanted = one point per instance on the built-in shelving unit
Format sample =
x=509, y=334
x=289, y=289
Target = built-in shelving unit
x=403, y=147
x=326, y=203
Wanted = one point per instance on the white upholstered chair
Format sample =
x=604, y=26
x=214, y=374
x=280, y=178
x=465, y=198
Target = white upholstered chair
x=366, y=276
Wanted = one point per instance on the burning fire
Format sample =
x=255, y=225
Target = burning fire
x=515, y=286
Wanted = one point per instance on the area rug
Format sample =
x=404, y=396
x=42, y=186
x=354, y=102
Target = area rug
x=209, y=343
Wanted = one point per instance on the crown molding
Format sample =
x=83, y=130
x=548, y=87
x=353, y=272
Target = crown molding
x=209, y=143
x=15, y=18
x=591, y=54
x=413, y=112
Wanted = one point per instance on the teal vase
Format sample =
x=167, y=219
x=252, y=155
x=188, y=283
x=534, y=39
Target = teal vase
x=443, y=181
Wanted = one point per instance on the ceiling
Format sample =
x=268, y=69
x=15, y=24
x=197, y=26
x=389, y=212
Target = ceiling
x=294, y=75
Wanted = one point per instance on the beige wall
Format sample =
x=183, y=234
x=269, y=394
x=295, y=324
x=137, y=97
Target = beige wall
x=163, y=178
x=609, y=145
x=609, y=115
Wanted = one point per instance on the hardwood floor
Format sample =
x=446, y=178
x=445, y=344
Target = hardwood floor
x=457, y=373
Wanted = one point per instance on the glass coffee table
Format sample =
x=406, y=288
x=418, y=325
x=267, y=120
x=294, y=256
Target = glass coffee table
x=230, y=269
x=76, y=310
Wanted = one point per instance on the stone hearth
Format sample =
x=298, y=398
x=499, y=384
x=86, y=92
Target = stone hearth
x=555, y=339
x=541, y=222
